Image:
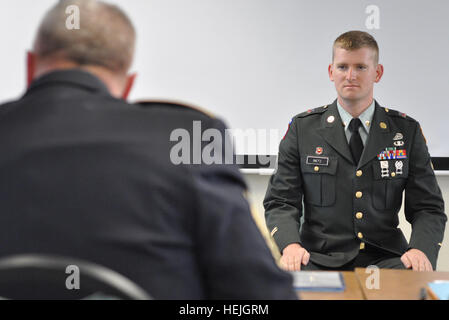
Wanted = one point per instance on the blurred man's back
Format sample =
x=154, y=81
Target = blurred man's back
x=86, y=175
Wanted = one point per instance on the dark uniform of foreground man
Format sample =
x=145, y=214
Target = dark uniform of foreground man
x=83, y=174
x=350, y=162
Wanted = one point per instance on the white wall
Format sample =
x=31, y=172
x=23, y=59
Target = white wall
x=257, y=63
x=258, y=186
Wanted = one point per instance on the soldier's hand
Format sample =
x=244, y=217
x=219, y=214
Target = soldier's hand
x=417, y=260
x=293, y=256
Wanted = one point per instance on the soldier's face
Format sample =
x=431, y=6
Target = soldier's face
x=354, y=73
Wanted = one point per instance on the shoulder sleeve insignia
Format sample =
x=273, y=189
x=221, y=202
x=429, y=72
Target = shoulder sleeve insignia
x=288, y=129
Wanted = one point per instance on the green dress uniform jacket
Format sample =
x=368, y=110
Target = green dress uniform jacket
x=346, y=204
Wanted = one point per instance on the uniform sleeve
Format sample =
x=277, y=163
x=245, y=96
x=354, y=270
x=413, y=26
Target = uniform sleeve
x=233, y=256
x=424, y=206
x=283, y=199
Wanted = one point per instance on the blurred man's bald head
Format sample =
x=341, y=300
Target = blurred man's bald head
x=103, y=44
x=106, y=36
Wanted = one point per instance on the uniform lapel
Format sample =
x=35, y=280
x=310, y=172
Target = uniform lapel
x=380, y=136
x=333, y=131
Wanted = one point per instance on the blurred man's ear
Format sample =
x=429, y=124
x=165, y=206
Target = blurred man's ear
x=129, y=84
x=31, y=67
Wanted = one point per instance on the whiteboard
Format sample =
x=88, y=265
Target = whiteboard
x=257, y=63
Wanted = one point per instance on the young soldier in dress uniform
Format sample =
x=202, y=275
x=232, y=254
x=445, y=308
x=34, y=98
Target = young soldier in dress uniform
x=349, y=163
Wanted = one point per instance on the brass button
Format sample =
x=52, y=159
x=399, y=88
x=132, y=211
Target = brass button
x=360, y=235
x=359, y=215
x=316, y=169
x=393, y=174
x=383, y=125
x=362, y=245
x=359, y=173
x=358, y=194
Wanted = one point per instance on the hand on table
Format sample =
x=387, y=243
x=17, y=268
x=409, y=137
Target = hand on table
x=417, y=260
x=293, y=256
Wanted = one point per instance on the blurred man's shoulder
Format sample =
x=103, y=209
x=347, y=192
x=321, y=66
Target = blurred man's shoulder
x=7, y=106
x=175, y=108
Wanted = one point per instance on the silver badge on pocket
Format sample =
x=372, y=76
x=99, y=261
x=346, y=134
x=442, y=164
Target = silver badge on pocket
x=399, y=143
x=384, y=169
x=399, y=165
x=398, y=136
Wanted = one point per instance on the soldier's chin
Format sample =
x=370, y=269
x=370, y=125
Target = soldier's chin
x=350, y=96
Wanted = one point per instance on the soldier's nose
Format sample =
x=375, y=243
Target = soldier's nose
x=350, y=75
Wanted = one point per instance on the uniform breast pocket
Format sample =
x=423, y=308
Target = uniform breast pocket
x=319, y=182
x=389, y=179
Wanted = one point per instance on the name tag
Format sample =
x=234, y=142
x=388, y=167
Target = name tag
x=317, y=161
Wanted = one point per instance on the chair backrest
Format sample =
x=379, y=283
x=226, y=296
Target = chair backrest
x=47, y=277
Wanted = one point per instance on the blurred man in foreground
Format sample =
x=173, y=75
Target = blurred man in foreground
x=83, y=174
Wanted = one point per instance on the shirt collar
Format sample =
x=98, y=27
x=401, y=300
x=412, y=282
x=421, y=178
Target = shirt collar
x=366, y=117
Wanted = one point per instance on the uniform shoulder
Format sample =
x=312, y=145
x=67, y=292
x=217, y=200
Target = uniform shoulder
x=397, y=114
x=8, y=106
x=310, y=112
x=175, y=106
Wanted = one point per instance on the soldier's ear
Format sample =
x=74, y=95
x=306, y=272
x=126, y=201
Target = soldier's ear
x=379, y=72
x=31, y=67
x=330, y=71
x=128, y=85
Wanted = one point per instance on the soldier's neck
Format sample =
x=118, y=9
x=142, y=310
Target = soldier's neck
x=355, y=107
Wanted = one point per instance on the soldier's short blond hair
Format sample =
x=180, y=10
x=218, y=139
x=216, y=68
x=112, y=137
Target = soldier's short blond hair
x=353, y=40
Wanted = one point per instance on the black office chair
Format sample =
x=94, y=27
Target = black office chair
x=41, y=277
